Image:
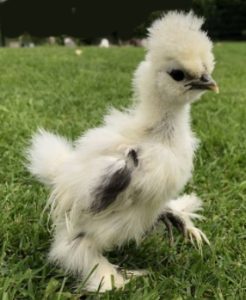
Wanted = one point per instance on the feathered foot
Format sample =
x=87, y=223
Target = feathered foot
x=81, y=257
x=179, y=213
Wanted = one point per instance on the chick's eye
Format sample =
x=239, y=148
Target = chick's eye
x=177, y=75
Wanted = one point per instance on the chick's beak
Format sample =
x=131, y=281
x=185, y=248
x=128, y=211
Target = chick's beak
x=205, y=82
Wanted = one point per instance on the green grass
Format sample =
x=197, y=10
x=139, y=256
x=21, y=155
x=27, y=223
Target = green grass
x=65, y=93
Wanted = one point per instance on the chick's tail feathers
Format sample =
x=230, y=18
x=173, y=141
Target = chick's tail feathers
x=45, y=154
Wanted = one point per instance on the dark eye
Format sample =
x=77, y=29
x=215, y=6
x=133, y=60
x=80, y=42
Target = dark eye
x=177, y=75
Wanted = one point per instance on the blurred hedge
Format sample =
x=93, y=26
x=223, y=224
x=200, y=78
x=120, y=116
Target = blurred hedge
x=225, y=19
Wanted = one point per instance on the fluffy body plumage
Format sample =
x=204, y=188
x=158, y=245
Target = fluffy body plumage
x=117, y=180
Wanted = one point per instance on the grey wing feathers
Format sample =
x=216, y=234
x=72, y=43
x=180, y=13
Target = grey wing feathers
x=113, y=183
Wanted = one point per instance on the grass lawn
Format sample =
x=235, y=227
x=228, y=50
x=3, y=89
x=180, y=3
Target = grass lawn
x=55, y=89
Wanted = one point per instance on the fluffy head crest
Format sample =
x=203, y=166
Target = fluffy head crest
x=178, y=35
x=175, y=20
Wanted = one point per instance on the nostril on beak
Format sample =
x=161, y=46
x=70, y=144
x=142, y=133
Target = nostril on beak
x=205, y=78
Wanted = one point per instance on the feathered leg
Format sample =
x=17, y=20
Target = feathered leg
x=179, y=213
x=80, y=255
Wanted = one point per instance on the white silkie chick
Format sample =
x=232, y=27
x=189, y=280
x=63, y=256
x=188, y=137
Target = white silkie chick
x=118, y=180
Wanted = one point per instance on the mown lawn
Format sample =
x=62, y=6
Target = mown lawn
x=65, y=93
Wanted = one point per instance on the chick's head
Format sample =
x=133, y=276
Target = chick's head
x=181, y=57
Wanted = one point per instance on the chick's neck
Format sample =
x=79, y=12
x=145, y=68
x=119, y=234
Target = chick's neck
x=160, y=117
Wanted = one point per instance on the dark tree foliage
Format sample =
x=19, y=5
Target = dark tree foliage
x=225, y=19
x=79, y=18
x=141, y=30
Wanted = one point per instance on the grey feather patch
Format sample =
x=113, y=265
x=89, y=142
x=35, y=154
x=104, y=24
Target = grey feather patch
x=80, y=235
x=133, y=155
x=110, y=187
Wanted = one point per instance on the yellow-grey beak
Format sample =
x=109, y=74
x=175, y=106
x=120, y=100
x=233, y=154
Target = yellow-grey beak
x=206, y=82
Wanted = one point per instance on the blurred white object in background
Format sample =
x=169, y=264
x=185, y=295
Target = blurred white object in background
x=12, y=43
x=51, y=40
x=69, y=42
x=78, y=52
x=104, y=43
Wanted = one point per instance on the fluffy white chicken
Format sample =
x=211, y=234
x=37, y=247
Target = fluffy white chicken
x=118, y=180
